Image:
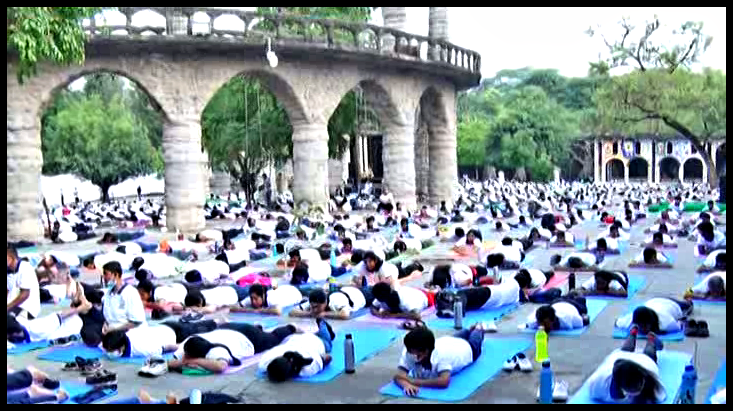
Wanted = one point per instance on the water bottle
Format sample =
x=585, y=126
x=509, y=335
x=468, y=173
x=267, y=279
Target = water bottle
x=458, y=314
x=571, y=281
x=540, y=342
x=349, y=362
x=195, y=397
x=546, y=383
x=332, y=287
x=686, y=394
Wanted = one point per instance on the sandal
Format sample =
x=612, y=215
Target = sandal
x=410, y=325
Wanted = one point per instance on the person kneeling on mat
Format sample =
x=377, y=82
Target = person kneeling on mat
x=265, y=301
x=650, y=256
x=455, y=275
x=628, y=377
x=300, y=355
x=565, y=313
x=658, y=315
x=612, y=283
x=340, y=304
x=711, y=287
x=430, y=362
x=715, y=261
x=405, y=302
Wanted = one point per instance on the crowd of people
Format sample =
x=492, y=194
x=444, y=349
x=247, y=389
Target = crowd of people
x=276, y=259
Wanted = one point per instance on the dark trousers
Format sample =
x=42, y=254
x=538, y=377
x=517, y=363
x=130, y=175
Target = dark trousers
x=231, y=233
x=261, y=340
x=475, y=339
x=185, y=330
x=21, y=244
x=129, y=236
x=577, y=302
x=19, y=380
x=85, y=235
x=338, y=271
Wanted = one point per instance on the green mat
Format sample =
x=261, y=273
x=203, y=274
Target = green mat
x=196, y=371
x=690, y=207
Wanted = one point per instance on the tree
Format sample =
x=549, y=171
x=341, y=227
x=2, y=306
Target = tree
x=472, y=135
x=99, y=140
x=661, y=87
x=47, y=33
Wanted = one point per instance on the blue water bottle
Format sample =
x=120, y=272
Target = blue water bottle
x=686, y=394
x=546, y=383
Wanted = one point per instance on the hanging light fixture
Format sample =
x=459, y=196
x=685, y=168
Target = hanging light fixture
x=271, y=56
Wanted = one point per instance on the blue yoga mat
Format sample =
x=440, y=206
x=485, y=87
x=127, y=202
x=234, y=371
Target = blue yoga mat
x=472, y=317
x=676, y=336
x=76, y=388
x=23, y=348
x=622, y=246
x=718, y=383
x=494, y=352
x=708, y=302
x=367, y=342
x=594, y=308
x=147, y=247
x=267, y=321
x=671, y=367
x=636, y=282
x=528, y=260
x=67, y=354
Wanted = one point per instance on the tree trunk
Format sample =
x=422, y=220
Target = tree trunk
x=712, y=170
x=105, y=192
x=520, y=175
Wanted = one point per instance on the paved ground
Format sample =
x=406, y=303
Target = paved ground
x=573, y=358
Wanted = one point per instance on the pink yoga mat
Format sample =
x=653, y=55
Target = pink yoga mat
x=556, y=280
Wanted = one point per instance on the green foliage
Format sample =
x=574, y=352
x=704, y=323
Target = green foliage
x=354, y=14
x=342, y=121
x=47, y=33
x=472, y=135
x=101, y=140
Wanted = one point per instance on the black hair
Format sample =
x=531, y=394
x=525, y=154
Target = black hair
x=147, y=286
x=575, y=262
x=317, y=296
x=373, y=256
x=476, y=234
x=280, y=248
x=441, y=276
x=87, y=262
x=194, y=298
x=601, y=244
x=645, y=315
x=193, y=276
x=523, y=278
x=494, y=260
x=286, y=366
x=142, y=275
x=357, y=256
x=522, y=220
x=15, y=329
x=555, y=259
x=137, y=262
x=545, y=312
x=400, y=246
x=370, y=219
x=716, y=285
x=720, y=261
x=300, y=274
x=420, y=339
x=706, y=230
x=506, y=241
x=658, y=236
x=347, y=241
x=381, y=291
x=324, y=252
x=498, y=225
x=113, y=267
x=260, y=291
x=114, y=340
x=649, y=253
x=459, y=232
x=294, y=253
x=197, y=347
x=404, y=221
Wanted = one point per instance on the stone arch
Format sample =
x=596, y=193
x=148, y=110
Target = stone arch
x=720, y=160
x=441, y=136
x=638, y=168
x=615, y=169
x=668, y=168
x=693, y=169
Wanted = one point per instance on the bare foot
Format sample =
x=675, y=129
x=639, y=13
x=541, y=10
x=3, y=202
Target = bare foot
x=170, y=398
x=144, y=397
x=36, y=391
x=37, y=375
x=62, y=395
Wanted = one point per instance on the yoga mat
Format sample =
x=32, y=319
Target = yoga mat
x=195, y=372
x=671, y=367
x=267, y=321
x=718, y=383
x=494, y=352
x=594, y=308
x=23, y=348
x=528, y=260
x=670, y=259
x=369, y=318
x=69, y=353
x=76, y=388
x=367, y=342
x=471, y=317
x=636, y=282
x=708, y=302
x=555, y=280
x=620, y=333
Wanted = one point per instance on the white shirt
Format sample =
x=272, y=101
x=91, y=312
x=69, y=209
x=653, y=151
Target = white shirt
x=309, y=254
x=568, y=238
x=538, y=278
x=240, y=346
x=411, y=244
x=308, y=345
x=511, y=253
x=587, y=258
x=384, y=274
x=161, y=265
x=149, y=340
x=710, y=259
x=220, y=296
x=51, y=327
x=665, y=239
x=599, y=382
x=125, y=260
x=668, y=311
x=505, y=293
x=566, y=313
x=210, y=270
x=702, y=286
x=122, y=307
x=236, y=256
x=174, y=293
x=718, y=240
x=462, y=242
x=282, y=296
x=590, y=284
x=25, y=279
x=460, y=274
x=318, y=271
x=639, y=258
x=338, y=301
x=450, y=354
x=411, y=299
x=132, y=248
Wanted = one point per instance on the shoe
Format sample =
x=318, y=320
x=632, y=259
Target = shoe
x=64, y=341
x=524, y=364
x=510, y=364
x=88, y=366
x=50, y=384
x=559, y=391
x=102, y=377
x=154, y=368
x=691, y=328
x=702, y=329
x=191, y=317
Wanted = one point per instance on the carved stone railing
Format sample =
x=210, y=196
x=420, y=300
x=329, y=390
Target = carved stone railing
x=287, y=29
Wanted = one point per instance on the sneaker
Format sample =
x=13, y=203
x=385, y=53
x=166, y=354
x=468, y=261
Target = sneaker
x=524, y=364
x=191, y=317
x=510, y=364
x=155, y=368
x=559, y=391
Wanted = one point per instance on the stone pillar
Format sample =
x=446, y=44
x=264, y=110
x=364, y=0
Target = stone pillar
x=603, y=170
x=399, y=164
x=437, y=29
x=596, y=171
x=443, y=164
x=184, y=175
x=310, y=164
x=626, y=172
x=422, y=159
x=649, y=170
x=704, y=172
x=394, y=18
x=657, y=172
x=500, y=177
x=24, y=205
x=556, y=174
x=220, y=183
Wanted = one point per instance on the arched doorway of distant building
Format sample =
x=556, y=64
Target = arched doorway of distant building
x=614, y=169
x=638, y=169
x=669, y=169
x=692, y=170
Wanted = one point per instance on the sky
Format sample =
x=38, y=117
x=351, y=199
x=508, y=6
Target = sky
x=516, y=37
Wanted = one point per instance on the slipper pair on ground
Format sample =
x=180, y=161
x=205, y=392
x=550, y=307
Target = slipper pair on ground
x=697, y=329
x=92, y=369
x=489, y=327
x=522, y=363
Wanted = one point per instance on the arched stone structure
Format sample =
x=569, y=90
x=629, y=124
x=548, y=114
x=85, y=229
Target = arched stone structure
x=693, y=169
x=615, y=170
x=443, y=160
x=638, y=169
x=182, y=72
x=668, y=169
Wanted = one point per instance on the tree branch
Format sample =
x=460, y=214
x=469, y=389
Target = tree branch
x=684, y=57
